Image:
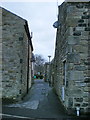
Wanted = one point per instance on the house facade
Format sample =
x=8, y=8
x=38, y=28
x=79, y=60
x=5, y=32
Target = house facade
x=16, y=54
x=71, y=65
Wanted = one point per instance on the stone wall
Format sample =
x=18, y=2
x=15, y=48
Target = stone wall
x=0, y=60
x=15, y=51
x=47, y=70
x=30, y=67
x=72, y=60
x=51, y=74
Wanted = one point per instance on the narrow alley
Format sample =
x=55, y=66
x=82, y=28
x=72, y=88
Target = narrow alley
x=44, y=63
x=41, y=102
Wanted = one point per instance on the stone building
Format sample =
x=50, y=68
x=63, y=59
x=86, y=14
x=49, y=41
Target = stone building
x=15, y=56
x=72, y=58
x=51, y=74
x=46, y=70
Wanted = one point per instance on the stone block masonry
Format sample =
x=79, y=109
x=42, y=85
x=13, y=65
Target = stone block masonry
x=16, y=50
x=0, y=61
x=71, y=63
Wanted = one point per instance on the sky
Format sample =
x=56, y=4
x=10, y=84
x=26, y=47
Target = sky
x=40, y=14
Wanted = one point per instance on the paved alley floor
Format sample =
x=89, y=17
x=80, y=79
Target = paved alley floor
x=41, y=102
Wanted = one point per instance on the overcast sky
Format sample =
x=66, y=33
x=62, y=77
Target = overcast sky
x=40, y=17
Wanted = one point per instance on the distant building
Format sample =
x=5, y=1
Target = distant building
x=47, y=70
x=51, y=74
x=72, y=57
x=16, y=56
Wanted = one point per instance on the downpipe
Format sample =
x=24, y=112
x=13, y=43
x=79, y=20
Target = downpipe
x=63, y=93
x=78, y=111
x=63, y=98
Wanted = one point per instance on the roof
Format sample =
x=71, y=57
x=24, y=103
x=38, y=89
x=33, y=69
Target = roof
x=4, y=9
x=26, y=26
x=77, y=0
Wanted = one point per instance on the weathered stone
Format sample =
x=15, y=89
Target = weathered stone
x=81, y=21
x=79, y=99
x=88, y=110
x=72, y=51
x=81, y=48
x=80, y=84
x=77, y=33
x=88, y=24
x=70, y=66
x=84, y=42
x=82, y=25
x=72, y=40
x=21, y=60
x=75, y=91
x=77, y=105
x=80, y=68
x=73, y=57
x=83, y=56
x=87, y=29
x=76, y=75
x=87, y=62
x=79, y=28
x=8, y=86
x=85, y=94
x=86, y=17
x=15, y=46
x=80, y=5
x=20, y=38
x=70, y=102
x=85, y=33
x=10, y=71
x=86, y=99
x=81, y=110
x=84, y=104
x=87, y=89
x=88, y=84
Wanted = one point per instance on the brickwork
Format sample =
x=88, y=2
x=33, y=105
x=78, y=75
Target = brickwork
x=72, y=60
x=15, y=53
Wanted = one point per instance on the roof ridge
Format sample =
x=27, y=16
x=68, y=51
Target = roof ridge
x=77, y=0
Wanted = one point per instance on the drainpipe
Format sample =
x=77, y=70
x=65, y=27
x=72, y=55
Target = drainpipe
x=63, y=92
x=78, y=111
